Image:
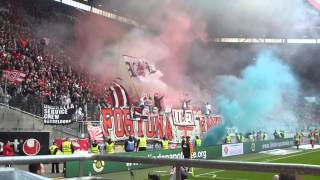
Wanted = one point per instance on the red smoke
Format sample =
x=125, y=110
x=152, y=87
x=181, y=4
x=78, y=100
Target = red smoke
x=100, y=45
x=92, y=34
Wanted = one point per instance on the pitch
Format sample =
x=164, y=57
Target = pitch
x=289, y=155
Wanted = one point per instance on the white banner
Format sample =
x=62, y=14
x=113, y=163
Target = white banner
x=232, y=149
x=183, y=118
x=61, y=115
x=139, y=67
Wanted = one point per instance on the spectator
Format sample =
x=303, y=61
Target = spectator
x=189, y=143
x=312, y=139
x=185, y=149
x=158, y=101
x=282, y=134
x=149, y=102
x=208, y=108
x=297, y=140
x=276, y=134
x=37, y=169
x=264, y=136
x=7, y=151
x=186, y=104
x=183, y=173
x=142, y=101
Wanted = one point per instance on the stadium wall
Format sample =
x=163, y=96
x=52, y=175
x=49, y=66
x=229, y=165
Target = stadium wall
x=12, y=119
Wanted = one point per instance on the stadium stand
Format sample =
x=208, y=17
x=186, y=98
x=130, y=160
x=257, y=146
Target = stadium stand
x=47, y=74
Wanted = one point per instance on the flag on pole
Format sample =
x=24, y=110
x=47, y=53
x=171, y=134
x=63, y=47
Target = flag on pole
x=139, y=67
x=95, y=133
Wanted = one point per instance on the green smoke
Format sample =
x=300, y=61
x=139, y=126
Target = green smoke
x=263, y=96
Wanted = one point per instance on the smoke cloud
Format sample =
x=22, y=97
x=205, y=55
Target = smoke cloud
x=176, y=38
x=262, y=98
x=166, y=44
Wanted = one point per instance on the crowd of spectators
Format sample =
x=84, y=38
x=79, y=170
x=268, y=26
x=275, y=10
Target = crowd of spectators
x=50, y=75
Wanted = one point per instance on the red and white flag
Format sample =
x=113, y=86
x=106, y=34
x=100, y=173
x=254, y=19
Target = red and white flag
x=95, y=133
x=13, y=75
x=119, y=95
x=139, y=67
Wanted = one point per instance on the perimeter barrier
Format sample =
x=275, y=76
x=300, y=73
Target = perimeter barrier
x=297, y=170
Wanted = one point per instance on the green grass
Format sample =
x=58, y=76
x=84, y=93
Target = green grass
x=303, y=157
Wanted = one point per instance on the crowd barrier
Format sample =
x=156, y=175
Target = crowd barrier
x=95, y=167
x=296, y=171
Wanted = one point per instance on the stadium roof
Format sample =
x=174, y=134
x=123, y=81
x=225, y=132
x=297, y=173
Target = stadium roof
x=287, y=19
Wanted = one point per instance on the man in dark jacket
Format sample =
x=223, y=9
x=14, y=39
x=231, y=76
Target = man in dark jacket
x=129, y=144
x=185, y=149
x=157, y=101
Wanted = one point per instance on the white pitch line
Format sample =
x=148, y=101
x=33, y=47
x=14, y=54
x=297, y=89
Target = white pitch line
x=208, y=173
x=227, y=178
x=161, y=171
x=268, y=160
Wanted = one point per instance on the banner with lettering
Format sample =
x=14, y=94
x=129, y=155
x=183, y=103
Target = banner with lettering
x=60, y=115
x=119, y=123
x=26, y=143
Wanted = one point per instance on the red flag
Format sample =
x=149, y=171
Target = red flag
x=95, y=133
x=120, y=97
x=13, y=75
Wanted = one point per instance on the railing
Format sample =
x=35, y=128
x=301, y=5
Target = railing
x=35, y=108
x=298, y=170
x=64, y=129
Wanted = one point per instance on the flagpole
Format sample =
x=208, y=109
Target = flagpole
x=85, y=118
x=5, y=87
x=122, y=62
x=132, y=83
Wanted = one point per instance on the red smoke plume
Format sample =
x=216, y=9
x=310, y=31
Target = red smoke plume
x=100, y=45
